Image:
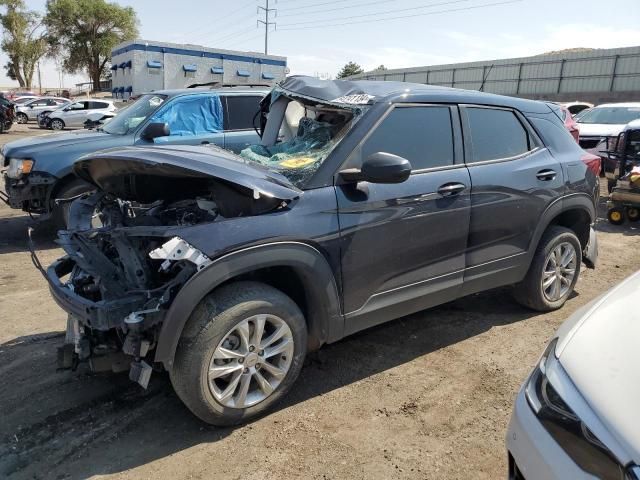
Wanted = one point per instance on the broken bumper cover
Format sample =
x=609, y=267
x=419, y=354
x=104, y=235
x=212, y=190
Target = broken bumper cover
x=29, y=194
x=102, y=315
x=590, y=253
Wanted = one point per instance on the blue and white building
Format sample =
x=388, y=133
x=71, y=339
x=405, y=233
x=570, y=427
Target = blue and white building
x=142, y=65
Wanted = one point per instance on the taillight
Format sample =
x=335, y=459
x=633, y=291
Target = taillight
x=593, y=162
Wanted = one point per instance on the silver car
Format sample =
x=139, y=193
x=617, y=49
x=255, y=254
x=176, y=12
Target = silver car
x=30, y=109
x=577, y=415
x=78, y=112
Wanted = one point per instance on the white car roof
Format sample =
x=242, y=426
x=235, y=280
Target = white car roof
x=621, y=105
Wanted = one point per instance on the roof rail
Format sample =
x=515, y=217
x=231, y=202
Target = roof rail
x=221, y=84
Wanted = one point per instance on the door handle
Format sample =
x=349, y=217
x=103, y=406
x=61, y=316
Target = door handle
x=546, y=174
x=450, y=189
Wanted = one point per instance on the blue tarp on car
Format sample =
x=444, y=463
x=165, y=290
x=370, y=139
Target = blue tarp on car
x=192, y=115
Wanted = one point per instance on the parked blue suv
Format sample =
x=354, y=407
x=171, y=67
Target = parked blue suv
x=40, y=169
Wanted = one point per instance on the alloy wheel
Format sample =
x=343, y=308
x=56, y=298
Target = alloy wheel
x=57, y=124
x=22, y=118
x=559, y=271
x=251, y=361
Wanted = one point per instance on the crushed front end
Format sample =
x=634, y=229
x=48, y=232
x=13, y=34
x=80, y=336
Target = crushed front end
x=125, y=259
x=117, y=280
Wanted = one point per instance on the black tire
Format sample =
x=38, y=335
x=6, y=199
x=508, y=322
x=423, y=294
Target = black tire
x=60, y=212
x=214, y=317
x=529, y=292
x=22, y=118
x=615, y=216
x=56, y=124
x=633, y=214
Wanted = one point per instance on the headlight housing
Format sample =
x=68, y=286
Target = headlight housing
x=19, y=167
x=567, y=429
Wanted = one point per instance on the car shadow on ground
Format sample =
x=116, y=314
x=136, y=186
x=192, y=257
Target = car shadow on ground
x=74, y=424
x=13, y=233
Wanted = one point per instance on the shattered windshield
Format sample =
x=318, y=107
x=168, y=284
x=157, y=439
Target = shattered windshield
x=128, y=120
x=308, y=134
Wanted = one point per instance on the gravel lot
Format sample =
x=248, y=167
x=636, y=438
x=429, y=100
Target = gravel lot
x=426, y=396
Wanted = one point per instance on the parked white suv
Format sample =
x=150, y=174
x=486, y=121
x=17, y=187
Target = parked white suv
x=603, y=123
x=75, y=114
x=30, y=109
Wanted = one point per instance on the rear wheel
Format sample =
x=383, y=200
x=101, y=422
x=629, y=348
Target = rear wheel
x=56, y=124
x=633, y=214
x=615, y=216
x=240, y=352
x=553, y=272
x=21, y=117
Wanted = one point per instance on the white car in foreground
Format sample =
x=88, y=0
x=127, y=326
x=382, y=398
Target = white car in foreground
x=578, y=414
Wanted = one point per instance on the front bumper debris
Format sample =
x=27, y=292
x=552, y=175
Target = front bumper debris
x=30, y=194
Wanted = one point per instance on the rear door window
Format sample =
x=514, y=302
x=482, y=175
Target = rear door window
x=241, y=110
x=98, y=105
x=422, y=135
x=495, y=134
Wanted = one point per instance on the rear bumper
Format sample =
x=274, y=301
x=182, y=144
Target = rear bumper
x=534, y=454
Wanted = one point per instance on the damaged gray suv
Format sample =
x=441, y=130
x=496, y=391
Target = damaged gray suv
x=364, y=202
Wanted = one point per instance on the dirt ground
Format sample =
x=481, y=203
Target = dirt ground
x=424, y=397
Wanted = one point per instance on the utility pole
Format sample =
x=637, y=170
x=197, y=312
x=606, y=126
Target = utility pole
x=266, y=23
x=39, y=79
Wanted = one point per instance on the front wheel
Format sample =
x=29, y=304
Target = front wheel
x=22, y=118
x=553, y=272
x=240, y=352
x=56, y=124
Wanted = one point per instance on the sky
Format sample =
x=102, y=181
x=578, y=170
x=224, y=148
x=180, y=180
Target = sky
x=319, y=36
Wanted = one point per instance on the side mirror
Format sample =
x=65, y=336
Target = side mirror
x=155, y=130
x=380, y=167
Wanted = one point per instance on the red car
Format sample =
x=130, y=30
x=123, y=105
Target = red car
x=569, y=122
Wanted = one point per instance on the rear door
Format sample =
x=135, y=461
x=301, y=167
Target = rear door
x=240, y=111
x=403, y=245
x=514, y=179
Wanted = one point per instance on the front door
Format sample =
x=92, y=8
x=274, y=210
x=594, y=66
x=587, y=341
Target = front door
x=403, y=245
x=75, y=114
x=192, y=119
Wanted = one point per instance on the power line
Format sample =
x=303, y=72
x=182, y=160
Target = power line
x=220, y=20
x=397, y=17
x=386, y=12
x=225, y=27
x=340, y=8
x=313, y=5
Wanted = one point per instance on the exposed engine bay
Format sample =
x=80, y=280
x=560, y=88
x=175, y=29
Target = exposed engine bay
x=125, y=260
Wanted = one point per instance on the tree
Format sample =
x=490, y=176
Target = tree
x=83, y=33
x=381, y=68
x=349, y=69
x=22, y=40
